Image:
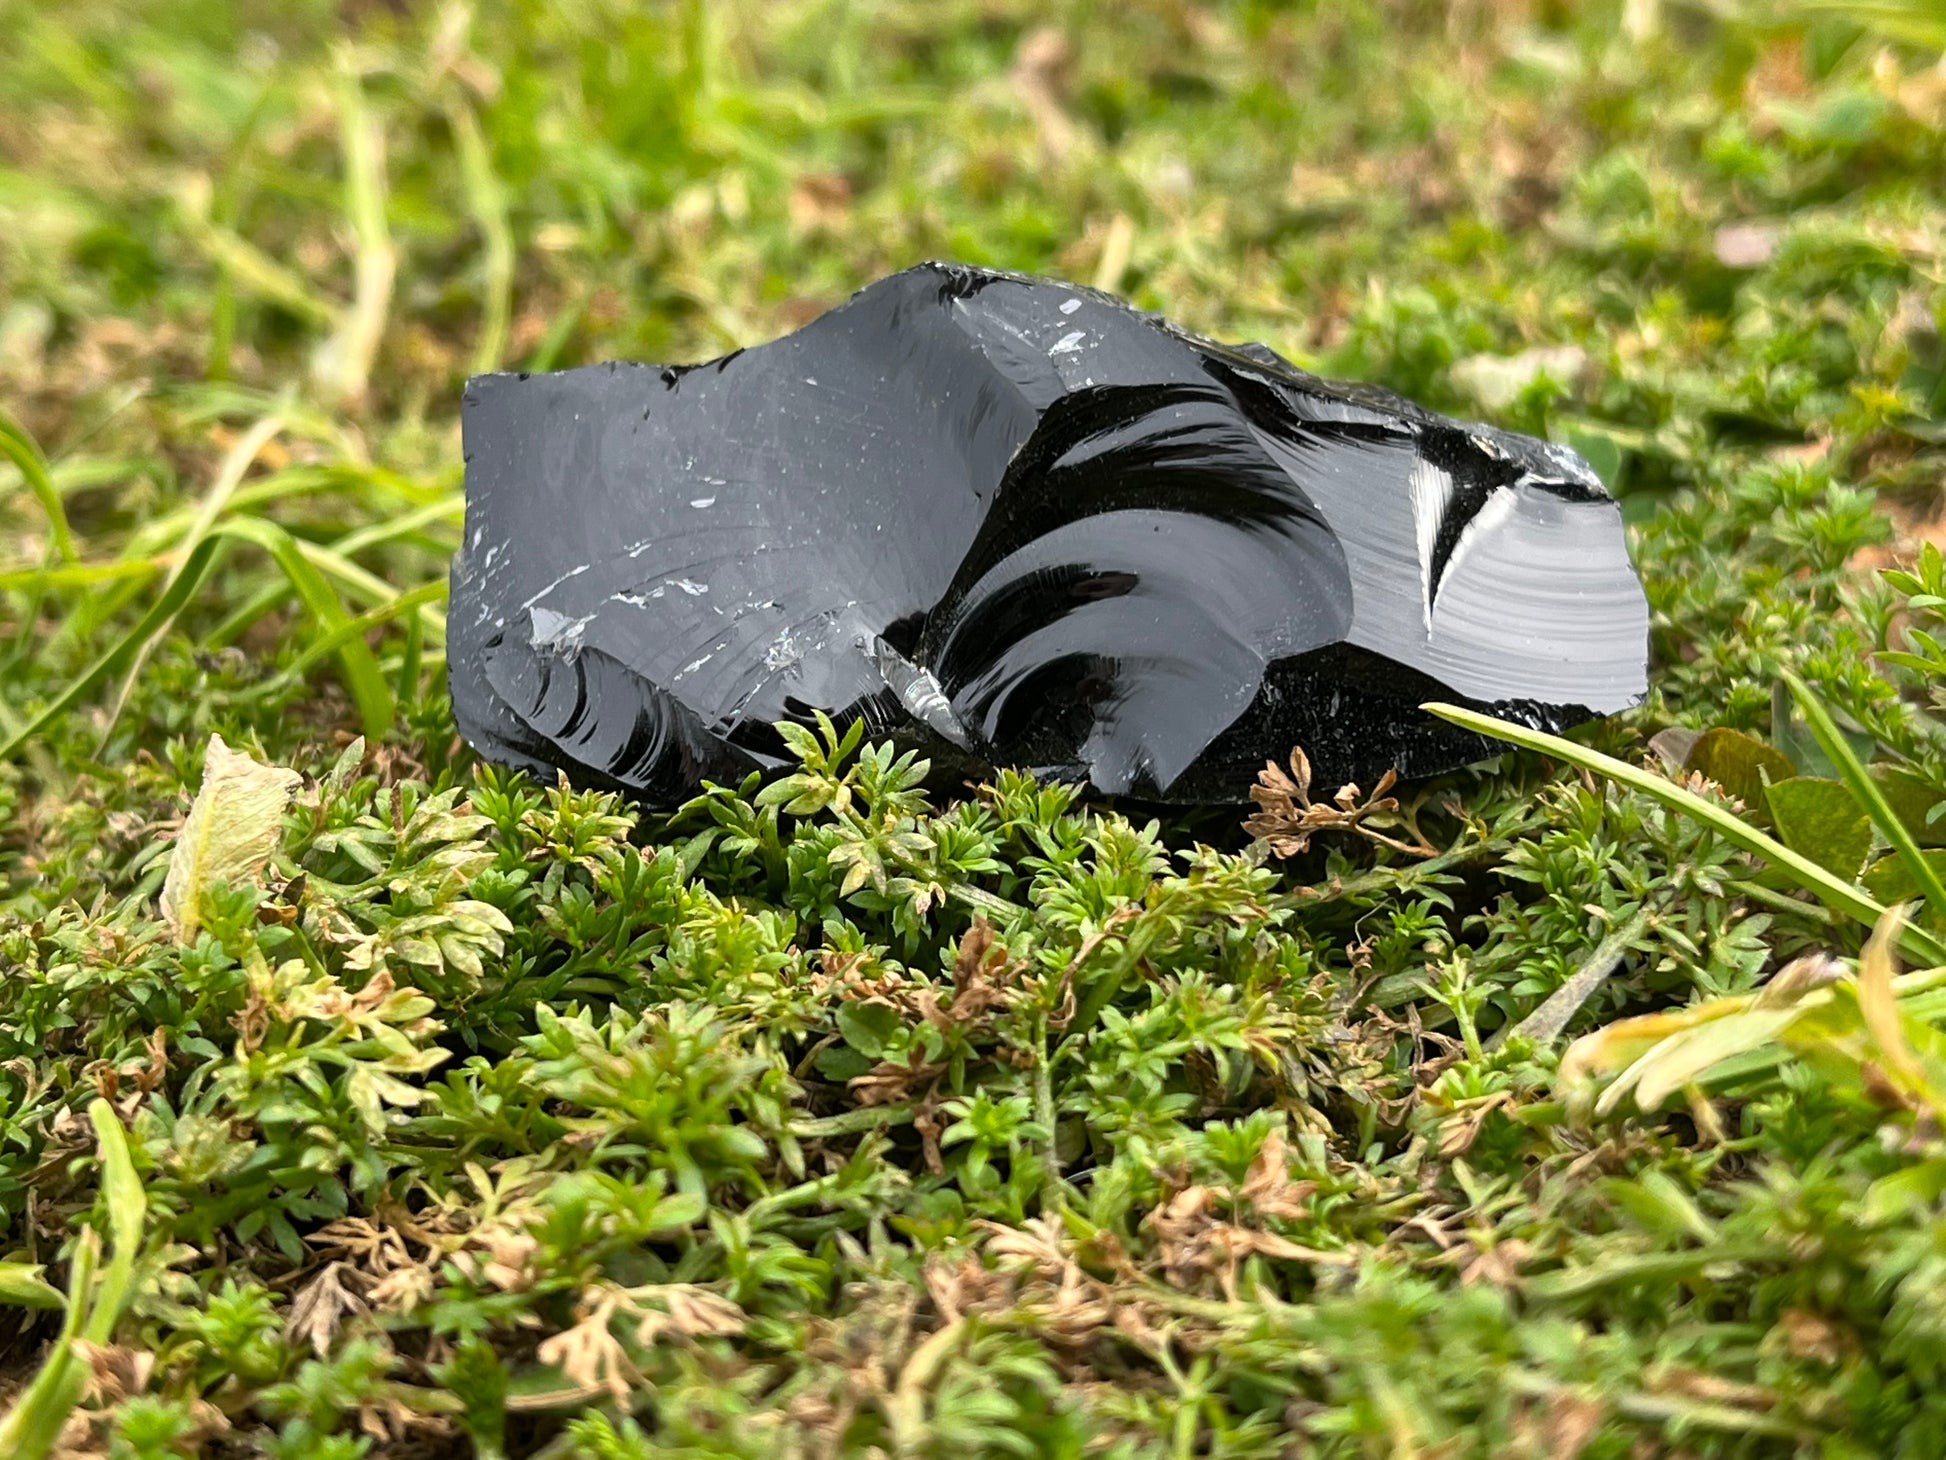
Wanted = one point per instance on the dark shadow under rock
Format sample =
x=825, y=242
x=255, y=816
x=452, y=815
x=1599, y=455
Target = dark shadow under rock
x=1016, y=522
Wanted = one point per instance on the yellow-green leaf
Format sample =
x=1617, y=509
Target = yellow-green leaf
x=1912, y=800
x=1878, y=1004
x=1822, y=820
x=1890, y=879
x=1740, y=764
x=230, y=832
x=22, y=1286
x=1685, y=1057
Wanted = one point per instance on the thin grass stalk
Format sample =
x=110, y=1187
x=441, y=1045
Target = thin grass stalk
x=1865, y=790
x=20, y=448
x=486, y=198
x=236, y=464
x=343, y=367
x=1851, y=900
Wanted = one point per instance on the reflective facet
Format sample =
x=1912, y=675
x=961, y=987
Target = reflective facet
x=1016, y=522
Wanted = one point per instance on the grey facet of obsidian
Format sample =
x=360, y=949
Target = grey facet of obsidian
x=1017, y=523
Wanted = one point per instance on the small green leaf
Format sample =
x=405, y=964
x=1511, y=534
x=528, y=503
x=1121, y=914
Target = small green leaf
x=1799, y=741
x=801, y=742
x=839, y=1064
x=1890, y=878
x=868, y=1028
x=681, y=1209
x=1821, y=820
x=22, y=1286
x=1913, y=1189
x=1912, y=800
x=802, y=794
x=1740, y=764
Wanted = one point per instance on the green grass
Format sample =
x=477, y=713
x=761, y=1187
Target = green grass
x=845, y=1116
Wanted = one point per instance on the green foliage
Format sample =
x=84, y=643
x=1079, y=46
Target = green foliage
x=857, y=1113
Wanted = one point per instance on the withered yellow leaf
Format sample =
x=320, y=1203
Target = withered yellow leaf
x=1879, y=1004
x=228, y=835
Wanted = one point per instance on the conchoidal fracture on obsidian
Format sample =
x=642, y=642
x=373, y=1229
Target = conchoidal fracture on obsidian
x=1017, y=522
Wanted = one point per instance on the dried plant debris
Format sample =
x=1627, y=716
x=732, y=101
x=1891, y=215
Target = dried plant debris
x=1017, y=522
x=1287, y=818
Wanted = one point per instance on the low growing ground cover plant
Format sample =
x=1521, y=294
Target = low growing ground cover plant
x=358, y=1099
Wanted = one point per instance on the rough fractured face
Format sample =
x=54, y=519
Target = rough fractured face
x=1019, y=523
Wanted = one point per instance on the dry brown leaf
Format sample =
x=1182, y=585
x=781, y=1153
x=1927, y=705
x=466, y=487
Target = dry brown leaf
x=591, y=1356
x=114, y=1373
x=1267, y=1186
x=1810, y=1336
x=889, y=1082
x=507, y=1262
x=1064, y=1301
x=377, y=1249
x=1498, y=1264
x=403, y=1289
x=687, y=1310
x=1569, y=1423
x=819, y=203
x=1037, y=1243
x=323, y=1306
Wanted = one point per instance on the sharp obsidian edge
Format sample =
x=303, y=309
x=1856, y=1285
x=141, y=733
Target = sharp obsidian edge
x=1018, y=523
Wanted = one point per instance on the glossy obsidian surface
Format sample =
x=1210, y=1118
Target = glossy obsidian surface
x=1018, y=523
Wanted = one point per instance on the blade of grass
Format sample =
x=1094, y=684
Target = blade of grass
x=33, y=1427
x=1842, y=895
x=1915, y=22
x=20, y=448
x=354, y=628
x=1547, y=1022
x=1920, y=998
x=367, y=586
x=449, y=507
x=236, y=463
x=343, y=365
x=487, y=200
x=34, y=1424
x=165, y=608
x=566, y=321
x=225, y=206
x=260, y=603
x=245, y=264
x=407, y=688
x=81, y=575
x=205, y=401
x=253, y=608
x=152, y=541
x=363, y=677
x=127, y=1205
x=361, y=672
x=342, y=480
x=1865, y=790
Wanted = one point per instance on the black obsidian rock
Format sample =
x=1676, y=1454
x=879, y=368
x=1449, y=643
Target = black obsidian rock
x=1016, y=522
